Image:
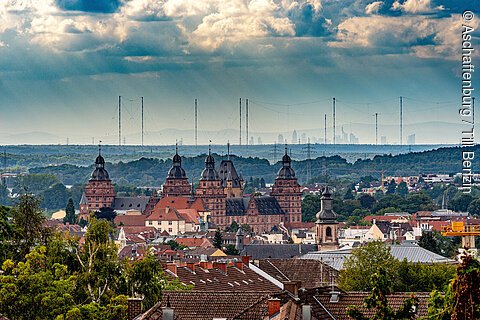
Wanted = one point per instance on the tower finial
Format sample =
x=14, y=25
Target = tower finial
x=99, y=147
x=228, y=150
x=210, y=147
x=176, y=146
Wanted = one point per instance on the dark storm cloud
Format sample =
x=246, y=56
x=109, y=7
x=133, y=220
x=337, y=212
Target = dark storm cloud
x=309, y=22
x=96, y=6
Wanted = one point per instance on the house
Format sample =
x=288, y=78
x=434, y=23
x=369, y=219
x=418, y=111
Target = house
x=171, y=220
x=352, y=235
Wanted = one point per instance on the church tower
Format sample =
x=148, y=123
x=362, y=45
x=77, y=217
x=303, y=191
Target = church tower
x=211, y=191
x=287, y=191
x=99, y=192
x=327, y=224
x=176, y=184
x=232, y=183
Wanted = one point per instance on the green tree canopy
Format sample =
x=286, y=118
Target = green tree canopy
x=217, y=239
x=70, y=216
x=364, y=262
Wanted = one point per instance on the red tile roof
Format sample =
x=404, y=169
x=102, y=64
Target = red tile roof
x=311, y=273
x=395, y=301
x=213, y=278
x=195, y=242
x=181, y=203
x=164, y=214
x=200, y=305
x=130, y=220
x=189, y=215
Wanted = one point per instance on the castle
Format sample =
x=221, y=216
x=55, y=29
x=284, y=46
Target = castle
x=221, y=190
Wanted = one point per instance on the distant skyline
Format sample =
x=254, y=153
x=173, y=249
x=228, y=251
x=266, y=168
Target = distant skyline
x=63, y=64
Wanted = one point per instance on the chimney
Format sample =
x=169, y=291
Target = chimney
x=306, y=312
x=167, y=311
x=273, y=306
x=191, y=266
x=246, y=260
x=222, y=266
x=204, y=264
x=292, y=286
x=134, y=308
x=239, y=265
x=172, y=267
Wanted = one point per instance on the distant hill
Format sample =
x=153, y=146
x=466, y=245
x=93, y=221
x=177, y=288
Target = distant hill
x=152, y=171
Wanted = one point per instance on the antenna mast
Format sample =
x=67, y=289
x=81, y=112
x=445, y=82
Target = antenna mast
x=119, y=120
x=401, y=120
x=196, y=119
x=334, y=124
x=142, y=121
x=246, y=120
x=376, y=128
x=240, y=121
x=325, y=129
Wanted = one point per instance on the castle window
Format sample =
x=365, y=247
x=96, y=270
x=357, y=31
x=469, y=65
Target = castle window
x=328, y=232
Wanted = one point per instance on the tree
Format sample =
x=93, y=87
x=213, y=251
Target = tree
x=217, y=239
x=365, y=261
x=28, y=219
x=7, y=234
x=146, y=279
x=233, y=227
x=106, y=213
x=30, y=290
x=366, y=201
x=70, y=216
x=348, y=194
x=462, y=298
x=402, y=189
x=55, y=197
x=461, y=202
x=230, y=250
x=4, y=195
x=391, y=187
x=377, y=300
x=310, y=207
x=174, y=245
x=474, y=207
x=98, y=259
x=435, y=242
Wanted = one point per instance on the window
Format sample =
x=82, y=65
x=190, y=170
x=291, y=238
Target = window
x=170, y=223
x=170, y=230
x=328, y=232
x=150, y=223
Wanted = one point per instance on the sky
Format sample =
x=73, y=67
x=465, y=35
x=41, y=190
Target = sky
x=63, y=64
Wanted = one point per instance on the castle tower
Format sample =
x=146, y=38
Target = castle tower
x=231, y=182
x=239, y=240
x=327, y=224
x=176, y=183
x=99, y=192
x=287, y=191
x=211, y=191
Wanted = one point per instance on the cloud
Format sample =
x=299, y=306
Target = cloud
x=416, y=6
x=373, y=7
x=97, y=6
x=309, y=21
x=425, y=37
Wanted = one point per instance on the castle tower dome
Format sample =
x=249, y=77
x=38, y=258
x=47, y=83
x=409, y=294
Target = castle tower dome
x=288, y=192
x=176, y=183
